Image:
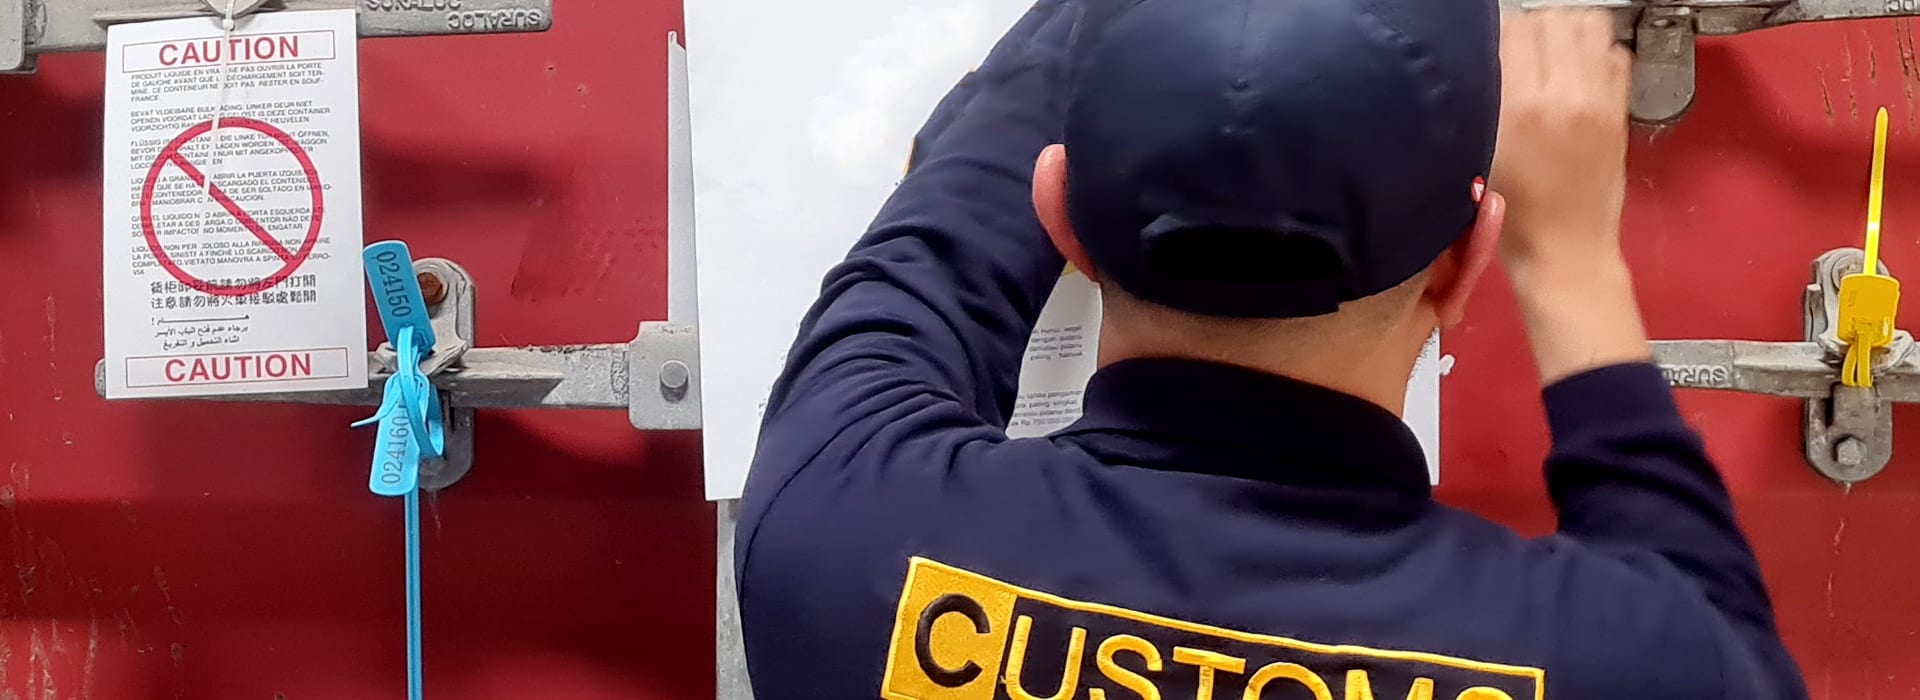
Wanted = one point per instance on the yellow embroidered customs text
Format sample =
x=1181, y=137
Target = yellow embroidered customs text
x=959, y=635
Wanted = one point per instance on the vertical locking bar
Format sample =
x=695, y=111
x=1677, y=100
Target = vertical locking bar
x=451, y=308
x=13, y=34
x=1848, y=435
x=1849, y=438
x=1663, y=64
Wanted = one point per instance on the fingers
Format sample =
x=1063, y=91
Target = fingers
x=1620, y=64
x=1565, y=56
x=1519, y=70
x=1576, y=45
x=1521, y=50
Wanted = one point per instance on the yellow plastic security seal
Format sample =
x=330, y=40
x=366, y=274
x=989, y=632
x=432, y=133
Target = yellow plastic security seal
x=1869, y=301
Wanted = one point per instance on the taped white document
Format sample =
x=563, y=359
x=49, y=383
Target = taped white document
x=231, y=255
x=803, y=116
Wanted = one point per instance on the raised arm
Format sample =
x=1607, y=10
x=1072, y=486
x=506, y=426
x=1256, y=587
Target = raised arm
x=1630, y=479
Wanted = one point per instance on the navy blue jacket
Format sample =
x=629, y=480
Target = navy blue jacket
x=1204, y=531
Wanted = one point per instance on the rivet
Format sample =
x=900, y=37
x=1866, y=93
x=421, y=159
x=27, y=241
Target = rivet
x=432, y=288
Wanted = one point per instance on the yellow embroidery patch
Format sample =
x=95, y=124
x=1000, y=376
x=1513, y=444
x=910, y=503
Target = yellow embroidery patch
x=962, y=636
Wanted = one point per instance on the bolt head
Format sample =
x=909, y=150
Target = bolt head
x=674, y=376
x=1850, y=452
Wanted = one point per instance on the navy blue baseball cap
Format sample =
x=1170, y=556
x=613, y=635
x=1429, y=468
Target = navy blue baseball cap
x=1276, y=158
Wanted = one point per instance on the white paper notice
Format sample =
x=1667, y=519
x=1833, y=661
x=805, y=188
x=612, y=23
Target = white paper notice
x=232, y=257
x=1061, y=357
x=1423, y=402
x=803, y=117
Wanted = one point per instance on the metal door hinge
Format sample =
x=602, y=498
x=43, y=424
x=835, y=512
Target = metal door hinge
x=1848, y=430
x=1662, y=33
x=32, y=27
x=655, y=378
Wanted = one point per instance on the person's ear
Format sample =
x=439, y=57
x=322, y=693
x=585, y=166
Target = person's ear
x=1462, y=266
x=1050, y=202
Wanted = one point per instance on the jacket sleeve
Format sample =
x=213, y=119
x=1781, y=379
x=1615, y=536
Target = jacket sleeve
x=922, y=328
x=1632, y=482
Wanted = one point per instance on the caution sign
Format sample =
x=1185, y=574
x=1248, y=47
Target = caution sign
x=232, y=213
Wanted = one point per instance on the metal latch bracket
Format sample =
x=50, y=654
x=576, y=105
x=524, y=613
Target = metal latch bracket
x=1847, y=431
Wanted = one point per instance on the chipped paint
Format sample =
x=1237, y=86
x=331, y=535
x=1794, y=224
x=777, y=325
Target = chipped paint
x=40, y=669
x=433, y=508
x=123, y=619
x=93, y=655
x=179, y=653
x=166, y=594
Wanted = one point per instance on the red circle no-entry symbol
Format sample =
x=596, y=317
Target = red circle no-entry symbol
x=291, y=259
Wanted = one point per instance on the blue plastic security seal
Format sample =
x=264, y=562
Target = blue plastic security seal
x=396, y=292
x=410, y=412
x=416, y=676
x=409, y=417
x=404, y=316
x=396, y=457
x=419, y=396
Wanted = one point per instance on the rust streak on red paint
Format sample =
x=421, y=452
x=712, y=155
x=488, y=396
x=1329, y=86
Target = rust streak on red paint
x=53, y=350
x=1826, y=100
x=1846, y=77
x=1909, y=66
x=1873, y=61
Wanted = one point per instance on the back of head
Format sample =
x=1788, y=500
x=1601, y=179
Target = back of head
x=1276, y=159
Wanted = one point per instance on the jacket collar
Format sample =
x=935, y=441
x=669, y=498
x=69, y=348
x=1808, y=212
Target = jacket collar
x=1206, y=418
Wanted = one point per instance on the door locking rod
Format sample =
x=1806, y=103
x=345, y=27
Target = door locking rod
x=1662, y=34
x=654, y=378
x=29, y=28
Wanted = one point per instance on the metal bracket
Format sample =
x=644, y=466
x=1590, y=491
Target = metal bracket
x=29, y=28
x=1662, y=33
x=655, y=378
x=1663, y=65
x=1848, y=430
